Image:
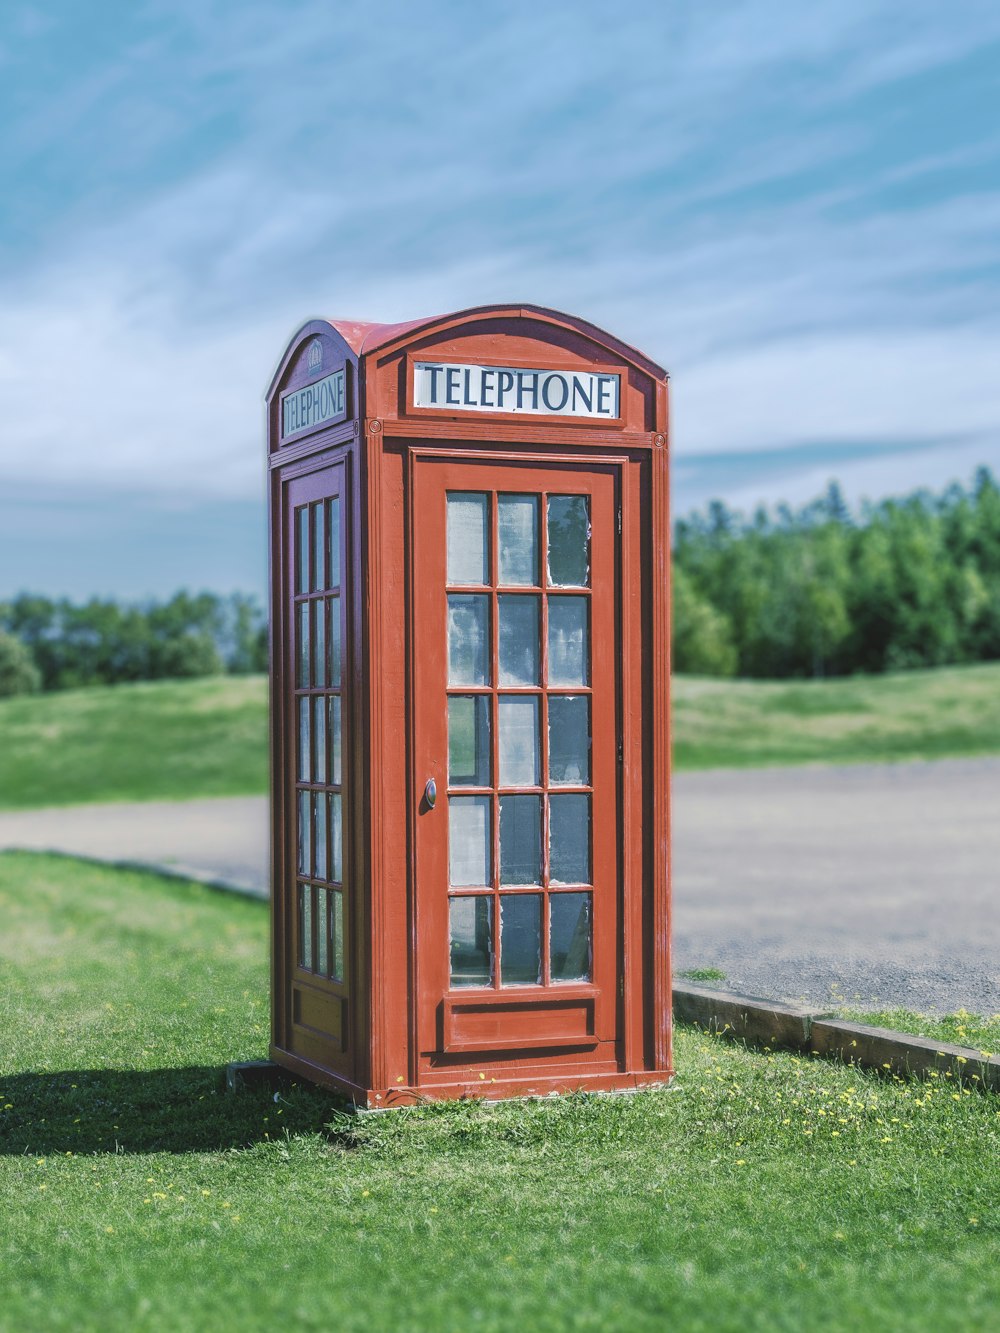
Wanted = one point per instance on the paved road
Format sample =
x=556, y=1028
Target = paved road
x=877, y=883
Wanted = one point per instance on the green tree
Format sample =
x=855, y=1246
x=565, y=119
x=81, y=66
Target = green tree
x=18, y=672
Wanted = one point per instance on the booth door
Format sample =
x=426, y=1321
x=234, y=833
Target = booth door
x=320, y=893
x=515, y=615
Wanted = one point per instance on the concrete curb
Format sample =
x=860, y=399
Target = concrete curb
x=785, y=1027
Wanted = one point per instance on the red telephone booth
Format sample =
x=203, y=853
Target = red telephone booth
x=469, y=707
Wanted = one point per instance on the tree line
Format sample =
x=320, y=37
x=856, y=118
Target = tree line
x=911, y=582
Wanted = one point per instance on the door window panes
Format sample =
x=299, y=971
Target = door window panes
x=319, y=812
x=334, y=716
x=305, y=927
x=520, y=840
x=470, y=841
x=468, y=639
x=471, y=941
x=569, y=936
x=569, y=640
x=569, y=740
x=322, y=933
x=469, y=740
x=468, y=544
x=335, y=663
x=519, y=640
x=569, y=541
x=303, y=647
x=520, y=939
x=337, y=926
x=517, y=539
x=302, y=550
x=336, y=837
x=305, y=833
x=319, y=725
x=319, y=548
x=569, y=839
x=305, y=762
x=334, y=542
x=520, y=760
x=319, y=663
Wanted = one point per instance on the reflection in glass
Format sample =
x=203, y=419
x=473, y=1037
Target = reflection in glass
x=319, y=840
x=336, y=838
x=334, y=705
x=517, y=524
x=520, y=840
x=305, y=766
x=470, y=860
x=468, y=639
x=469, y=740
x=520, y=939
x=471, y=938
x=569, y=739
x=319, y=548
x=519, y=741
x=319, y=643
x=322, y=933
x=302, y=675
x=305, y=927
x=338, y=935
x=302, y=549
x=569, y=541
x=468, y=548
x=305, y=834
x=335, y=665
x=335, y=542
x=519, y=638
x=569, y=936
x=569, y=839
x=319, y=723
x=569, y=640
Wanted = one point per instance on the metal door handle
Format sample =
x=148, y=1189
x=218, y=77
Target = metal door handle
x=430, y=793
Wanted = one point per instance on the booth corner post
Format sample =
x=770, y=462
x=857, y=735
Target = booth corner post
x=470, y=749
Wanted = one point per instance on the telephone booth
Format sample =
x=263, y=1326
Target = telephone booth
x=469, y=708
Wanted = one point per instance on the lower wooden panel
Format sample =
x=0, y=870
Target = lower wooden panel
x=319, y=1024
x=485, y=1025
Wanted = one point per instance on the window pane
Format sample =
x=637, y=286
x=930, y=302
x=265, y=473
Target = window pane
x=519, y=639
x=319, y=664
x=468, y=639
x=569, y=739
x=322, y=933
x=569, y=936
x=569, y=541
x=470, y=840
x=569, y=839
x=302, y=675
x=305, y=927
x=335, y=664
x=520, y=939
x=519, y=741
x=468, y=550
x=319, y=547
x=520, y=840
x=517, y=523
x=569, y=640
x=302, y=549
x=336, y=838
x=305, y=763
x=469, y=741
x=471, y=941
x=334, y=705
x=319, y=811
x=305, y=834
x=319, y=727
x=335, y=542
x=337, y=930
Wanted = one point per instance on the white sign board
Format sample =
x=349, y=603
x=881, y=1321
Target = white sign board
x=314, y=405
x=447, y=386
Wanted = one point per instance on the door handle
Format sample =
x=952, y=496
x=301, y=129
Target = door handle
x=430, y=793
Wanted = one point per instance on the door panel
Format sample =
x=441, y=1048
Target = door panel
x=517, y=901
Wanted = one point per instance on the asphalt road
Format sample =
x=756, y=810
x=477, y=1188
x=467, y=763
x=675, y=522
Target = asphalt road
x=876, y=884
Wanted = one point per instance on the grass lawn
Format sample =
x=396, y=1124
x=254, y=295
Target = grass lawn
x=761, y=1192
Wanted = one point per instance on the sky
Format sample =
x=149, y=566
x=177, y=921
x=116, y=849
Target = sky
x=793, y=207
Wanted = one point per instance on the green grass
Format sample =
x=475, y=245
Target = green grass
x=982, y=1033
x=763, y=1191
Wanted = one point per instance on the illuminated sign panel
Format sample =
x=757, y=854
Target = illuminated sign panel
x=445, y=386
x=314, y=405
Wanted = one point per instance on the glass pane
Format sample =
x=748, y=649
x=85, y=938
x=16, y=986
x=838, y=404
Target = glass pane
x=470, y=840
x=322, y=933
x=336, y=838
x=569, y=839
x=468, y=550
x=302, y=550
x=569, y=640
x=305, y=834
x=471, y=941
x=468, y=639
x=337, y=930
x=319, y=547
x=319, y=728
x=569, y=541
x=302, y=675
x=335, y=542
x=519, y=741
x=305, y=927
x=469, y=741
x=569, y=936
x=520, y=840
x=319, y=664
x=334, y=706
x=335, y=664
x=520, y=939
x=305, y=764
x=519, y=640
x=319, y=810
x=517, y=523
x=569, y=739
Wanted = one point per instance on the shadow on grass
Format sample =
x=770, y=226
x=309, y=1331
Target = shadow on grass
x=154, y=1110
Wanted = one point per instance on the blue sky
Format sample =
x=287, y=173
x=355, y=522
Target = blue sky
x=794, y=207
